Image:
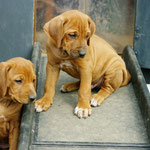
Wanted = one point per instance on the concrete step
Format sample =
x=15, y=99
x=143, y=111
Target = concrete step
x=117, y=124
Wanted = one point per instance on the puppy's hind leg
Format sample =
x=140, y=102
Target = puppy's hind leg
x=70, y=86
x=112, y=81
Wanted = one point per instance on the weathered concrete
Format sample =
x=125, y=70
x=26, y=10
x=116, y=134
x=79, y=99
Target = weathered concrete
x=116, y=124
x=118, y=119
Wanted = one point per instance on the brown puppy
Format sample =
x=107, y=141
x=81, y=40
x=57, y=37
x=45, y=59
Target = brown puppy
x=73, y=48
x=17, y=87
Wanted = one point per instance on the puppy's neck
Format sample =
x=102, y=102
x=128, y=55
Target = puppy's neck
x=9, y=109
x=8, y=101
x=59, y=53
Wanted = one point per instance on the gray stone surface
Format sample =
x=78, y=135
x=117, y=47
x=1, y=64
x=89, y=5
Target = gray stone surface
x=116, y=125
x=117, y=120
x=93, y=148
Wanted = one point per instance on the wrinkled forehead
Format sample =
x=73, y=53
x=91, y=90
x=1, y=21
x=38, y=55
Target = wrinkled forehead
x=77, y=22
x=22, y=72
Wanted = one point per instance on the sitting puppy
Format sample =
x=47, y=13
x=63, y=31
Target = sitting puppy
x=17, y=87
x=73, y=48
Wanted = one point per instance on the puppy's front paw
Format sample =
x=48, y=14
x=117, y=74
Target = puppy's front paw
x=82, y=112
x=96, y=100
x=42, y=105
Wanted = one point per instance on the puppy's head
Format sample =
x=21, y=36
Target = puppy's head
x=18, y=80
x=71, y=32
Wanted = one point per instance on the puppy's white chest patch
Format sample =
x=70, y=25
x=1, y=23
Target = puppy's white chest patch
x=65, y=64
x=3, y=117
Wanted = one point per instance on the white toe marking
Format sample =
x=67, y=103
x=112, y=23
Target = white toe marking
x=62, y=88
x=85, y=113
x=76, y=110
x=38, y=108
x=80, y=112
x=94, y=102
x=90, y=112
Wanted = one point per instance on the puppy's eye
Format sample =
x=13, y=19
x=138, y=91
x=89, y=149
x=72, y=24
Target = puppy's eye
x=18, y=81
x=33, y=80
x=87, y=36
x=73, y=36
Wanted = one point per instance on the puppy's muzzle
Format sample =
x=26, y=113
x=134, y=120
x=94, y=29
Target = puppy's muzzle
x=82, y=53
x=32, y=97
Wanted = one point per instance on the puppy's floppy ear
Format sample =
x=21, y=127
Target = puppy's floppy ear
x=55, y=29
x=91, y=26
x=4, y=68
x=92, y=29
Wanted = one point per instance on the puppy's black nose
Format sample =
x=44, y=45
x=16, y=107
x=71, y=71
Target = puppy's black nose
x=82, y=53
x=32, y=97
